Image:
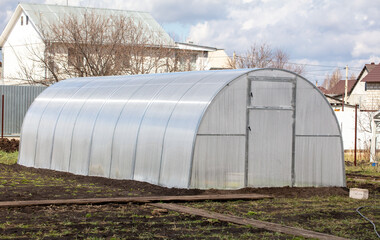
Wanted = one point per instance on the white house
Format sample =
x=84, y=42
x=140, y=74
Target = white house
x=27, y=24
x=208, y=58
x=366, y=91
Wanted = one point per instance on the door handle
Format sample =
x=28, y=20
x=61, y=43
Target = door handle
x=249, y=128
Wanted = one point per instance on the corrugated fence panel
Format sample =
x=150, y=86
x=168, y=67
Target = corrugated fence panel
x=17, y=100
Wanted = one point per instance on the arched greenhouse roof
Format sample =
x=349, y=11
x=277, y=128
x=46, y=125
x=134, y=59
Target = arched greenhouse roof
x=187, y=130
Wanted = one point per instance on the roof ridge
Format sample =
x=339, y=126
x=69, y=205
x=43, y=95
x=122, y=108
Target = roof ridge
x=373, y=75
x=69, y=6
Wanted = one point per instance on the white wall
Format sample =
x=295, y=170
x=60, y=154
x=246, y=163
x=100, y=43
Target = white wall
x=358, y=91
x=218, y=59
x=17, y=53
x=346, y=121
x=369, y=100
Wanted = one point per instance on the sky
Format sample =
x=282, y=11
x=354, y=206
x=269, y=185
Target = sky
x=320, y=34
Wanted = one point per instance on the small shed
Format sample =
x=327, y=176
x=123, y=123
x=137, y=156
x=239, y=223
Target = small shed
x=210, y=129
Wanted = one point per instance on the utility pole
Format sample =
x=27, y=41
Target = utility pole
x=234, y=60
x=346, y=86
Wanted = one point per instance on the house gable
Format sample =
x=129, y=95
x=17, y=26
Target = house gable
x=19, y=39
x=373, y=76
x=366, y=99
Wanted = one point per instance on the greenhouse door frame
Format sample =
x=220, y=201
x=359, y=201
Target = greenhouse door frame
x=269, y=116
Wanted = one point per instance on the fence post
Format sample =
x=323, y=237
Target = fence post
x=356, y=131
x=2, y=116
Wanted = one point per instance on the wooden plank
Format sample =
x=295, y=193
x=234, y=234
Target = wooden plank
x=133, y=199
x=274, y=227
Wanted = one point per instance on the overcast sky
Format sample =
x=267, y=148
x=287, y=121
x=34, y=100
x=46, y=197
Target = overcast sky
x=322, y=34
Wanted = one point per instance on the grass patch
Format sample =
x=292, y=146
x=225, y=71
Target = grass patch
x=8, y=158
x=364, y=169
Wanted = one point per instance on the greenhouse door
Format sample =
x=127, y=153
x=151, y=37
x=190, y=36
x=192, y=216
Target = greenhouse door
x=270, y=130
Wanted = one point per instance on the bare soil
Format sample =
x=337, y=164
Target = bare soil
x=308, y=208
x=47, y=184
x=108, y=221
x=114, y=221
x=9, y=145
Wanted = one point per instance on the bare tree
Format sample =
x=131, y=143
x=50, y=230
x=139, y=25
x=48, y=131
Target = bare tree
x=261, y=56
x=352, y=76
x=331, y=80
x=98, y=45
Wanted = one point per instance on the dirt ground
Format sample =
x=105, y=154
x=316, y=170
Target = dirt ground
x=326, y=210
x=9, y=145
x=109, y=221
x=118, y=221
x=38, y=184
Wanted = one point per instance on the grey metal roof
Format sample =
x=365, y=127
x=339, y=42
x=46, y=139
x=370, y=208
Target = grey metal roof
x=44, y=14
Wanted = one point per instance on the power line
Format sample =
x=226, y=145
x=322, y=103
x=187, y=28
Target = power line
x=312, y=65
x=327, y=66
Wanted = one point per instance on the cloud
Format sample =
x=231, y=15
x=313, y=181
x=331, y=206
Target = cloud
x=327, y=32
x=322, y=30
x=189, y=11
x=366, y=43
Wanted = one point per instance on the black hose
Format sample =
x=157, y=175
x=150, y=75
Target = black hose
x=374, y=226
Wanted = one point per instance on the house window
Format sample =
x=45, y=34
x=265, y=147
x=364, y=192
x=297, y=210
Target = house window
x=26, y=20
x=194, y=58
x=22, y=20
x=372, y=86
x=74, y=58
x=205, y=54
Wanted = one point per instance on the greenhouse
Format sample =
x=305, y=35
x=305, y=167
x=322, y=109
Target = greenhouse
x=210, y=129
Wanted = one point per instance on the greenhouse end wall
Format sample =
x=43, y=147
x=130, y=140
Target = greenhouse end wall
x=212, y=129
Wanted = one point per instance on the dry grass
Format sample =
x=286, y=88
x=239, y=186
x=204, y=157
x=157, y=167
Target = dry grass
x=8, y=158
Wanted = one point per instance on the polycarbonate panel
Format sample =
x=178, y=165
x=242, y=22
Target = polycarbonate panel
x=314, y=114
x=318, y=162
x=128, y=125
x=153, y=128
x=271, y=94
x=272, y=73
x=47, y=125
x=219, y=162
x=270, y=148
x=84, y=124
x=29, y=130
x=64, y=126
x=104, y=129
x=29, y=133
x=227, y=112
x=181, y=131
